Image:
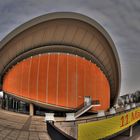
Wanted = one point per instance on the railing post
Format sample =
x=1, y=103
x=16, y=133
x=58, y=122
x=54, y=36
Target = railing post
x=131, y=131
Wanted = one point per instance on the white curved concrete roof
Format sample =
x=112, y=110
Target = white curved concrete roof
x=67, y=29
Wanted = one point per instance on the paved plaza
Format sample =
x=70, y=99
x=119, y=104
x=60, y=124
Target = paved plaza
x=14, y=126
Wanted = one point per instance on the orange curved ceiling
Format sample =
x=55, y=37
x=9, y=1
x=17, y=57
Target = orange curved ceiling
x=58, y=79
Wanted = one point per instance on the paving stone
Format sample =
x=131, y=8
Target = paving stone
x=14, y=126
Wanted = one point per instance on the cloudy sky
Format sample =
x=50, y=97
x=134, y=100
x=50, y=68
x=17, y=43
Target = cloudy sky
x=121, y=19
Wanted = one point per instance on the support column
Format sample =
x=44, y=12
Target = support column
x=3, y=101
x=31, y=110
x=16, y=105
x=7, y=104
x=131, y=131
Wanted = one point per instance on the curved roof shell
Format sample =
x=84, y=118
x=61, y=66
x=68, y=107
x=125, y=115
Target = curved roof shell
x=72, y=33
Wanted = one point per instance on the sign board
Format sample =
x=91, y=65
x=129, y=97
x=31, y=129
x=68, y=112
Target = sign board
x=106, y=127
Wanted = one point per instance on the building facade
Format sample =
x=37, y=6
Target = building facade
x=56, y=60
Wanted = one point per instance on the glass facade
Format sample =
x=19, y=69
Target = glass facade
x=12, y=104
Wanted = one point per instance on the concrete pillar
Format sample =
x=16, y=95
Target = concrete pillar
x=131, y=131
x=7, y=105
x=112, y=111
x=49, y=117
x=3, y=101
x=101, y=113
x=16, y=105
x=70, y=116
x=31, y=110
